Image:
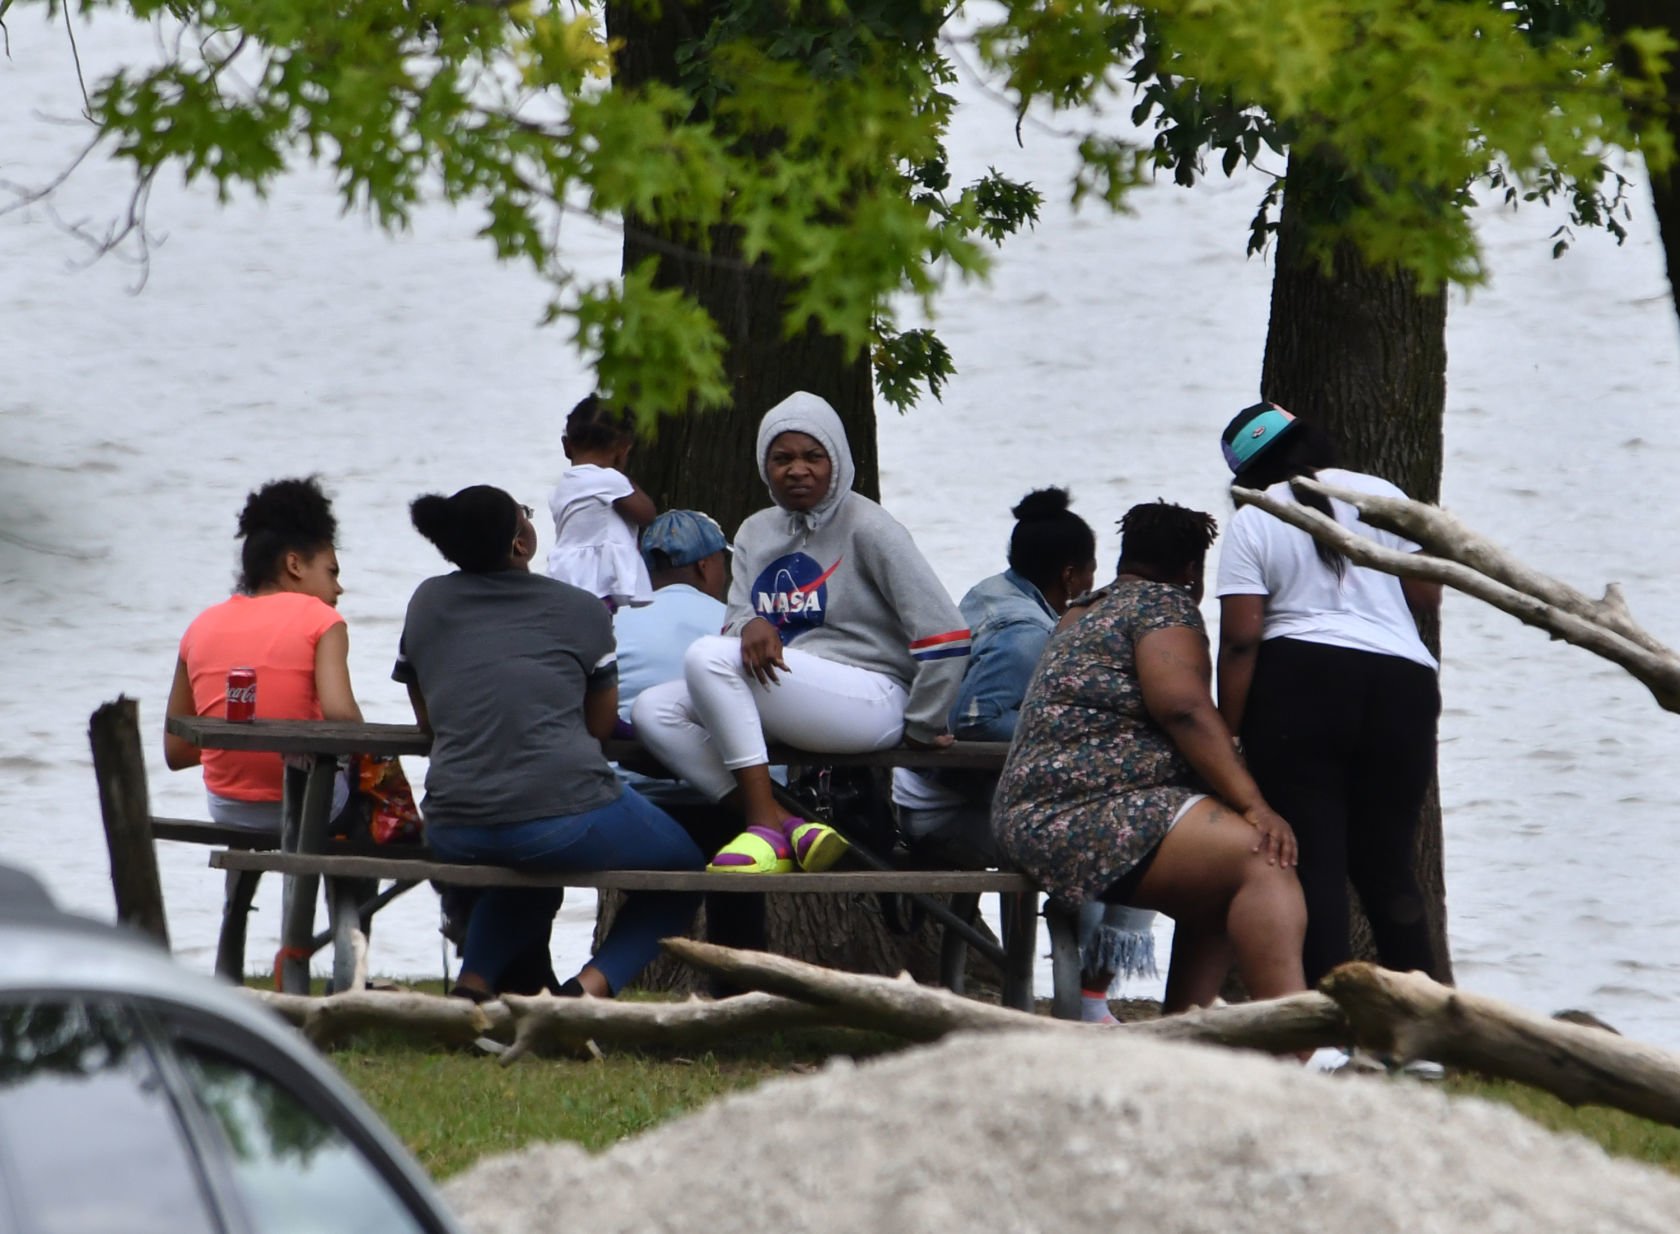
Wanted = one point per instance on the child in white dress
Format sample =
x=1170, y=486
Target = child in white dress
x=598, y=510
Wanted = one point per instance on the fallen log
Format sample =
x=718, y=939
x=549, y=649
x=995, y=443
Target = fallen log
x=789, y=994
x=329, y=1020
x=542, y=1024
x=1406, y=1015
x=895, y=1005
x=545, y=1024
x=925, y=1013
x=1410, y=1016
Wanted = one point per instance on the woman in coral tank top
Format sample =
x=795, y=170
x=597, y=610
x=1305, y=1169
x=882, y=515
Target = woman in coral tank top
x=283, y=622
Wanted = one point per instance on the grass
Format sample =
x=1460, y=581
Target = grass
x=1619, y=1134
x=453, y=1107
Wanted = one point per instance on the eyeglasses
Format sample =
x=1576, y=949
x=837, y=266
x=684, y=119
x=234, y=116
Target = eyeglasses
x=527, y=511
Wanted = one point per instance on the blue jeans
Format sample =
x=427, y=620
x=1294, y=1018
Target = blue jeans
x=627, y=834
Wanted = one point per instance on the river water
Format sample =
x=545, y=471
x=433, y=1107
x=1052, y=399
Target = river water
x=279, y=337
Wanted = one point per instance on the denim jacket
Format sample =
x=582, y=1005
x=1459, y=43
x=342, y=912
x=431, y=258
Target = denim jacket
x=1009, y=621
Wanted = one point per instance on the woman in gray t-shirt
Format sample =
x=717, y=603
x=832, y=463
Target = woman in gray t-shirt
x=516, y=677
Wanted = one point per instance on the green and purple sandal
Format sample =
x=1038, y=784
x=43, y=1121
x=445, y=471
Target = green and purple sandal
x=757, y=850
x=816, y=846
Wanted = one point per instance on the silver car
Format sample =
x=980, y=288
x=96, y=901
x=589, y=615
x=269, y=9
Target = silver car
x=138, y=1097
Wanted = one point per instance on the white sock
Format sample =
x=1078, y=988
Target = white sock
x=1093, y=1007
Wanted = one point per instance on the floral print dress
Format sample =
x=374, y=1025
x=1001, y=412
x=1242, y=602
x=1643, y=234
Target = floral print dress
x=1092, y=783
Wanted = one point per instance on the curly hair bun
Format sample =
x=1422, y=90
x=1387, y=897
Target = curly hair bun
x=430, y=514
x=1041, y=503
x=297, y=507
x=472, y=528
x=283, y=516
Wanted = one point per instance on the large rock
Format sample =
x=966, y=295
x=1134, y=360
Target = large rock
x=1089, y=1132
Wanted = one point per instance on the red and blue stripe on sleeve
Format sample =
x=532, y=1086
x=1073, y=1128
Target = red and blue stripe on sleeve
x=945, y=646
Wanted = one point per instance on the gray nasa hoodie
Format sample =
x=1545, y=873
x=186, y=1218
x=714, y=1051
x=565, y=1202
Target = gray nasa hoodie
x=845, y=581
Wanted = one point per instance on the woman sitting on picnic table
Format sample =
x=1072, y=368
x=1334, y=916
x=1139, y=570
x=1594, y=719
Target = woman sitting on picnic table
x=880, y=652
x=1124, y=786
x=284, y=623
x=515, y=676
x=948, y=815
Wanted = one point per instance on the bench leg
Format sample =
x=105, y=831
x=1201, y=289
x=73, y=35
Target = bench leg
x=1020, y=943
x=953, y=948
x=307, y=821
x=1064, y=960
x=344, y=905
x=351, y=904
x=241, y=891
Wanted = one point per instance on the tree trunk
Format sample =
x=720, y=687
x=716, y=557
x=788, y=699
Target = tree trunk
x=706, y=462
x=1621, y=16
x=1362, y=352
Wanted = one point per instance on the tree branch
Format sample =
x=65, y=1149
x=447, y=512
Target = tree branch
x=1443, y=535
x=1601, y=628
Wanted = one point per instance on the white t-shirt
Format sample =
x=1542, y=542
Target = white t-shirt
x=595, y=545
x=1364, y=609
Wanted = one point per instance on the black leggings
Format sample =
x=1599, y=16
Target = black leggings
x=1342, y=744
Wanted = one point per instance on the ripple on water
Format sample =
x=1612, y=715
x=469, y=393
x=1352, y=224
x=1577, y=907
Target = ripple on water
x=1630, y=994
x=24, y=764
x=1630, y=965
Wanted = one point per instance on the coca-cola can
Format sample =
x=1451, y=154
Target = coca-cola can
x=242, y=695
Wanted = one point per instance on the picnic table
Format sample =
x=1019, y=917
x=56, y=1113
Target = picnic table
x=307, y=854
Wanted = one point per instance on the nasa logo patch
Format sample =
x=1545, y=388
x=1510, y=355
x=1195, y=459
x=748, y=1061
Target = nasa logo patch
x=791, y=593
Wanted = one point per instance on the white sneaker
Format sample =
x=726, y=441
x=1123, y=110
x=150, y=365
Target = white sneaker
x=1332, y=1060
x=1328, y=1059
x=1417, y=1069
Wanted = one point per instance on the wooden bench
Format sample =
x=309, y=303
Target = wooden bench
x=241, y=887
x=195, y=831
x=305, y=856
x=241, y=884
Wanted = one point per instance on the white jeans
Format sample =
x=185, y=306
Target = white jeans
x=716, y=719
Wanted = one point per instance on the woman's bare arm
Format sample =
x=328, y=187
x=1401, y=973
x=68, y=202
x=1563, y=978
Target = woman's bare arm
x=417, y=700
x=1423, y=597
x=600, y=711
x=179, y=753
x=332, y=676
x=1241, y=620
x=1173, y=672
